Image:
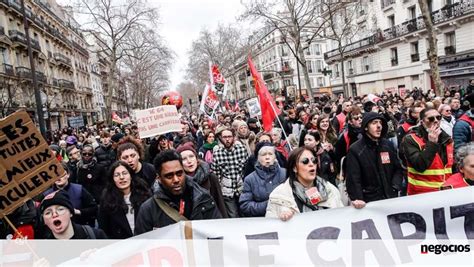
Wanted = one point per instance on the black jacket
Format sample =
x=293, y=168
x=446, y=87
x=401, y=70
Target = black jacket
x=93, y=177
x=147, y=173
x=341, y=145
x=105, y=156
x=80, y=233
x=373, y=171
x=115, y=223
x=151, y=216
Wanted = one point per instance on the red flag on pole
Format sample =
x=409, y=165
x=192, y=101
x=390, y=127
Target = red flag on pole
x=267, y=104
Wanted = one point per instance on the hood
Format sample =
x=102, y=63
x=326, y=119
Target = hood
x=370, y=116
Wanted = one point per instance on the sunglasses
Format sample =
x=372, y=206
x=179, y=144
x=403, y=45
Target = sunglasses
x=432, y=119
x=305, y=161
x=357, y=118
x=87, y=154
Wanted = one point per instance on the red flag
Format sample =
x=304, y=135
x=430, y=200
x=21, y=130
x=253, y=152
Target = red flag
x=267, y=104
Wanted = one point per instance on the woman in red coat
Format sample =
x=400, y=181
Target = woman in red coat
x=465, y=161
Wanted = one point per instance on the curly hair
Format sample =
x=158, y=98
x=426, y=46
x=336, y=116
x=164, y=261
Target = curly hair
x=112, y=198
x=129, y=142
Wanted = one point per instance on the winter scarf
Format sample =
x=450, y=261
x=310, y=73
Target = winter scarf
x=210, y=146
x=88, y=165
x=300, y=192
x=201, y=173
x=267, y=173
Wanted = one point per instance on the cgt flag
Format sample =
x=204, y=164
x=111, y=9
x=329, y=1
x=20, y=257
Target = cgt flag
x=218, y=82
x=267, y=104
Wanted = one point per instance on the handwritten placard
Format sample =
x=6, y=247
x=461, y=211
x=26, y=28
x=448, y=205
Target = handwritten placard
x=27, y=165
x=158, y=120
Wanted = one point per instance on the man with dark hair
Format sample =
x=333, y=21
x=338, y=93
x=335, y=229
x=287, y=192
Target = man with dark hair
x=177, y=197
x=429, y=154
x=228, y=162
x=74, y=155
x=372, y=168
x=339, y=121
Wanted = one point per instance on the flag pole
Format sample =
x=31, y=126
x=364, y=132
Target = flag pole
x=281, y=125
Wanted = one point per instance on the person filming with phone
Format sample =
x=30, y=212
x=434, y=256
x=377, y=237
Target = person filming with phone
x=429, y=152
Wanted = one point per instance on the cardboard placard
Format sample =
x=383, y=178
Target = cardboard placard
x=254, y=107
x=27, y=165
x=158, y=120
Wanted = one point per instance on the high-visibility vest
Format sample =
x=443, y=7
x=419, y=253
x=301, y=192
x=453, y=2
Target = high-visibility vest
x=406, y=127
x=455, y=181
x=341, y=119
x=434, y=176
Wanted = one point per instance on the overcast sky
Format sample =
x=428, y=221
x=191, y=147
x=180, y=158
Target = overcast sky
x=181, y=22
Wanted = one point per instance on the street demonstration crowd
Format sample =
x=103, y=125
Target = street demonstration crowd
x=323, y=155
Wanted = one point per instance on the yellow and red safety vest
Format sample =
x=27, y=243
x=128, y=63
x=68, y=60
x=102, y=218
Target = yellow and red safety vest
x=455, y=181
x=434, y=176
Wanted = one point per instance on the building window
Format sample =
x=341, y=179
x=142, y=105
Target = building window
x=310, y=66
x=317, y=49
x=412, y=12
x=365, y=64
x=415, y=55
x=320, y=82
x=394, y=56
x=391, y=20
x=349, y=67
x=337, y=70
x=450, y=48
x=319, y=66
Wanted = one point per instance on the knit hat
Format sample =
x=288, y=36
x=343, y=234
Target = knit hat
x=237, y=124
x=116, y=137
x=252, y=120
x=260, y=145
x=221, y=128
x=60, y=198
x=55, y=148
x=71, y=140
x=186, y=146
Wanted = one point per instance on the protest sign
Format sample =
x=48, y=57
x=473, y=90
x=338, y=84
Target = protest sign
x=254, y=107
x=27, y=165
x=388, y=232
x=158, y=120
x=76, y=122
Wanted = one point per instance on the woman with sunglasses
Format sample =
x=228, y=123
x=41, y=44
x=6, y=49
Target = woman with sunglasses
x=90, y=174
x=121, y=200
x=304, y=190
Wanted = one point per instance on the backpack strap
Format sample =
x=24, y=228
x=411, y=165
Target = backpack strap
x=172, y=213
x=89, y=231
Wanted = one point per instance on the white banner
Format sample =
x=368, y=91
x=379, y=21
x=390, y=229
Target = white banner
x=427, y=229
x=158, y=120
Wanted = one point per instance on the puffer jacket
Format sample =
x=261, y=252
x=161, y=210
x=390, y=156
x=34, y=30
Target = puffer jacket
x=282, y=199
x=373, y=171
x=257, y=188
x=151, y=216
x=462, y=132
x=105, y=156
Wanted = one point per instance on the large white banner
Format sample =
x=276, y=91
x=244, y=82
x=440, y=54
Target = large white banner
x=158, y=120
x=428, y=229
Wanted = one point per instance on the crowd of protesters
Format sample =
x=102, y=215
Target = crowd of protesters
x=325, y=154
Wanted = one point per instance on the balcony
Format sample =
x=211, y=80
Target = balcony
x=65, y=84
x=449, y=50
x=444, y=14
x=7, y=69
x=40, y=77
x=80, y=49
x=87, y=90
x=23, y=73
x=63, y=60
x=415, y=57
x=18, y=38
x=267, y=76
x=55, y=82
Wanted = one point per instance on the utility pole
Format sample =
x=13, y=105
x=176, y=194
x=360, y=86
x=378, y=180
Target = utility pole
x=39, y=104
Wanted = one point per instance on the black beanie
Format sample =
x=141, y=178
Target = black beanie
x=259, y=146
x=60, y=198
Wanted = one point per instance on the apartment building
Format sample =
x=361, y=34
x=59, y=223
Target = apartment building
x=390, y=52
x=279, y=68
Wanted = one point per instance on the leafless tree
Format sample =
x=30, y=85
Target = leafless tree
x=222, y=47
x=432, y=46
x=111, y=22
x=298, y=21
x=189, y=91
x=342, y=27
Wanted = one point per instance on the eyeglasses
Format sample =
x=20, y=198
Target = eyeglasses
x=123, y=174
x=48, y=213
x=447, y=110
x=305, y=161
x=87, y=154
x=357, y=117
x=432, y=119
x=172, y=174
x=227, y=137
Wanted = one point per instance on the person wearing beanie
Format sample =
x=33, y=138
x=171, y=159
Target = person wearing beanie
x=252, y=125
x=56, y=151
x=56, y=211
x=244, y=136
x=259, y=184
x=373, y=171
x=84, y=204
x=200, y=172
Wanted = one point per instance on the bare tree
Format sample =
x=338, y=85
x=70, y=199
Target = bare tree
x=111, y=22
x=189, y=91
x=432, y=46
x=222, y=47
x=298, y=21
x=342, y=27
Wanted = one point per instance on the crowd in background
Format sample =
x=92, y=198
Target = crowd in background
x=327, y=153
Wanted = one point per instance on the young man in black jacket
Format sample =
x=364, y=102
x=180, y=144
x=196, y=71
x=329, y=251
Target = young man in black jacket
x=177, y=198
x=372, y=167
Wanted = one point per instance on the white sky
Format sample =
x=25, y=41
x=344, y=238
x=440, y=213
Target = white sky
x=181, y=22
